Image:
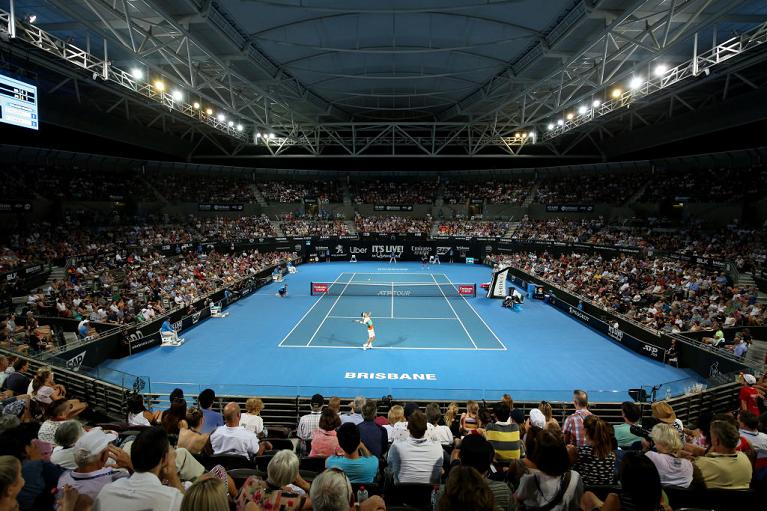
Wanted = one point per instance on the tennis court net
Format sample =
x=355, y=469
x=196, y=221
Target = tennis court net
x=389, y=289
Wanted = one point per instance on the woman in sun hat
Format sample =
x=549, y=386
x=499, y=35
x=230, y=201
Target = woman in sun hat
x=663, y=412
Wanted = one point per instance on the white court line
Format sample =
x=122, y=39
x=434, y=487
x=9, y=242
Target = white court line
x=392, y=301
x=331, y=309
x=392, y=348
x=306, y=313
x=394, y=273
x=477, y=313
x=454, y=313
x=387, y=317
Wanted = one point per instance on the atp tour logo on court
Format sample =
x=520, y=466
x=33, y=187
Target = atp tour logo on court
x=383, y=251
x=389, y=292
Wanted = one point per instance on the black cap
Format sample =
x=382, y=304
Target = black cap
x=317, y=400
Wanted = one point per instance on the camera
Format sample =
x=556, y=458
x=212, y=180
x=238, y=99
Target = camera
x=640, y=432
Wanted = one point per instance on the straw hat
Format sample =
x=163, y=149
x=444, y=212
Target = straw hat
x=662, y=411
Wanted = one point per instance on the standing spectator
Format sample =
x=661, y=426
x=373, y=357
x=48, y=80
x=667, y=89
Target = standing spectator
x=466, y=490
x=354, y=416
x=673, y=470
x=11, y=482
x=311, y=421
x=213, y=419
x=92, y=453
x=724, y=466
x=416, y=459
x=573, y=428
x=373, y=436
x=750, y=396
x=17, y=382
x=232, y=439
x=503, y=434
x=595, y=459
x=325, y=441
x=251, y=420
x=550, y=483
x=153, y=461
x=357, y=462
x=631, y=415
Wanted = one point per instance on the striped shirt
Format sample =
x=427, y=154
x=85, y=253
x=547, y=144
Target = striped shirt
x=574, y=427
x=504, y=438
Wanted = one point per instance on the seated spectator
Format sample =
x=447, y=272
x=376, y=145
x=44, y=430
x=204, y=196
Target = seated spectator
x=355, y=415
x=212, y=419
x=65, y=437
x=138, y=415
x=251, y=420
x=17, y=381
x=550, y=483
x=749, y=424
x=232, y=439
x=470, y=418
x=573, y=428
x=640, y=488
x=284, y=487
x=153, y=462
x=724, y=466
x=373, y=436
x=595, y=459
x=206, y=494
x=311, y=421
x=631, y=415
x=45, y=391
x=673, y=470
x=11, y=482
x=332, y=491
x=476, y=452
x=503, y=434
x=92, y=453
x=397, y=422
x=357, y=461
x=750, y=395
x=452, y=419
x=40, y=476
x=466, y=490
x=324, y=440
x=192, y=438
x=416, y=459
x=434, y=431
x=174, y=419
x=56, y=414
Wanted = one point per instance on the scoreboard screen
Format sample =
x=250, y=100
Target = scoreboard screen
x=18, y=103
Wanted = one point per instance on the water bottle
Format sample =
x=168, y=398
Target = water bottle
x=362, y=495
x=434, y=496
x=668, y=393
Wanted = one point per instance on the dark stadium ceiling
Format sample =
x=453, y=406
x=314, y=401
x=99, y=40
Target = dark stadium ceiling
x=407, y=77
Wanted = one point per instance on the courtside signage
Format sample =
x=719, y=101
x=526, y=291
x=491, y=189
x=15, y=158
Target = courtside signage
x=351, y=375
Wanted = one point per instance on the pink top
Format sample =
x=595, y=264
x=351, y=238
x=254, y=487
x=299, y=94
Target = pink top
x=325, y=443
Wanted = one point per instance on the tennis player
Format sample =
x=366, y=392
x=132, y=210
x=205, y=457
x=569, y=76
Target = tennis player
x=393, y=256
x=368, y=321
x=283, y=291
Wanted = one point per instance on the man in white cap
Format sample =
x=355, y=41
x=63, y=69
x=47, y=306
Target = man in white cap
x=749, y=396
x=92, y=452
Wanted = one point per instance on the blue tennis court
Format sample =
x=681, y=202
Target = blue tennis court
x=410, y=311
x=429, y=345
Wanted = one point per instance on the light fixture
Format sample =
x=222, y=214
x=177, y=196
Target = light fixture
x=159, y=85
x=550, y=126
x=560, y=122
x=596, y=103
x=31, y=18
x=636, y=82
x=524, y=135
x=582, y=109
x=221, y=117
x=137, y=73
x=660, y=70
x=616, y=93
x=177, y=95
x=239, y=127
x=570, y=116
x=230, y=123
x=271, y=135
x=531, y=134
x=196, y=105
x=258, y=134
x=516, y=135
x=209, y=111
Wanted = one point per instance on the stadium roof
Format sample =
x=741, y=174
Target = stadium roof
x=404, y=77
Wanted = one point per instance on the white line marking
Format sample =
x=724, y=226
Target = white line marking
x=306, y=313
x=391, y=348
x=392, y=301
x=477, y=313
x=452, y=309
x=331, y=309
x=387, y=317
x=394, y=273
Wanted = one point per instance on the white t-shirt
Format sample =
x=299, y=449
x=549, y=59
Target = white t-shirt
x=139, y=492
x=138, y=419
x=440, y=434
x=537, y=489
x=416, y=461
x=252, y=422
x=673, y=471
x=234, y=440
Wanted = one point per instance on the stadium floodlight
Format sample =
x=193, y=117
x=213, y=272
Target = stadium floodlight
x=616, y=93
x=196, y=105
x=636, y=82
x=159, y=85
x=221, y=117
x=596, y=103
x=560, y=122
x=177, y=95
x=550, y=126
x=258, y=134
x=239, y=127
x=570, y=116
x=582, y=109
x=209, y=111
x=271, y=136
x=31, y=18
x=531, y=134
x=660, y=70
x=230, y=123
x=137, y=73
